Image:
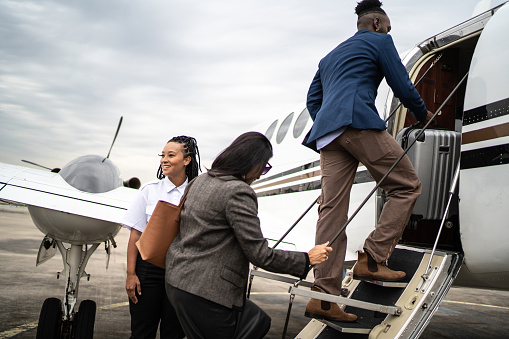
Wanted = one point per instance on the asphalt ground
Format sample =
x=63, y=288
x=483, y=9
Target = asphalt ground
x=465, y=313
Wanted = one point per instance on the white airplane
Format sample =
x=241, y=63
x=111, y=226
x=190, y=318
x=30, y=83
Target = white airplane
x=458, y=233
x=77, y=208
x=473, y=237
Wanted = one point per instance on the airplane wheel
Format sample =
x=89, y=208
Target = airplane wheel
x=84, y=321
x=50, y=319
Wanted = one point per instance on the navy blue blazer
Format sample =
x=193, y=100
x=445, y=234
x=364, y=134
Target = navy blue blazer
x=345, y=86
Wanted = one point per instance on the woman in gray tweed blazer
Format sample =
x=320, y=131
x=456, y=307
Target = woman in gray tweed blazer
x=207, y=265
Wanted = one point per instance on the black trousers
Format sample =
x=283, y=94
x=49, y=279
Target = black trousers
x=204, y=319
x=153, y=308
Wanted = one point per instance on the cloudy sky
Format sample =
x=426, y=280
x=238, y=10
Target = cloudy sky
x=210, y=69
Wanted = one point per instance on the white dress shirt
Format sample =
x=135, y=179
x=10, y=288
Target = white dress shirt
x=329, y=137
x=143, y=206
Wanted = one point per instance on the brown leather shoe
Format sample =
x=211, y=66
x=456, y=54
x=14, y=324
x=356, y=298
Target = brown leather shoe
x=367, y=268
x=320, y=309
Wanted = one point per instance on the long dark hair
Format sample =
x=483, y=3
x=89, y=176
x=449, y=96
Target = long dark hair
x=190, y=150
x=248, y=151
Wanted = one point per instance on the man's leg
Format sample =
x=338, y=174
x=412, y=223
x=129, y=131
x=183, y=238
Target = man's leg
x=378, y=151
x=338, y=173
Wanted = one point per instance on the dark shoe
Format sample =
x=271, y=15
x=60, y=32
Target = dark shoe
x=367, y=268
x=320, y=309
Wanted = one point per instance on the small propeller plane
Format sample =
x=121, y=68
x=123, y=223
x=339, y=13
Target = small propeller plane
x=77, y=208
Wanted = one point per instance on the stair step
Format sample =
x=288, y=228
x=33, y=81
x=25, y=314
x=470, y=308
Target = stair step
x=387, y=309
x=397, y=284
x=359, y=327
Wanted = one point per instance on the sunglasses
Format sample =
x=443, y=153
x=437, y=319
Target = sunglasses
x=266, y=169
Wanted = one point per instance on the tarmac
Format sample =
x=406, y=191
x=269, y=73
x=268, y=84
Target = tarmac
x=465, y=313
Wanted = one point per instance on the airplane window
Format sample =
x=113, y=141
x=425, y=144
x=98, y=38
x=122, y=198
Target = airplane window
x=270, y=130
x=300, y=124
x=285, y=125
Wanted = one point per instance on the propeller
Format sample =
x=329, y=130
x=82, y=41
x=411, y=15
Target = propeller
x=115, y=138
x=55, y=170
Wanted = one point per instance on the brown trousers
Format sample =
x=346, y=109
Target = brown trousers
x=377, y=150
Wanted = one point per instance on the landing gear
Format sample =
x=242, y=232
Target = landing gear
x=50, y=319
x=83, y=327
x=51, y=325
x=60, y=319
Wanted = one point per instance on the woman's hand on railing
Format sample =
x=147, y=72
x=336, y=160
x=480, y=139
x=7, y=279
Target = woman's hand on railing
x=319, y=253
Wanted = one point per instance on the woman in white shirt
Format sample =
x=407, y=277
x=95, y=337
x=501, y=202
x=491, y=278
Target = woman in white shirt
x=145, y=284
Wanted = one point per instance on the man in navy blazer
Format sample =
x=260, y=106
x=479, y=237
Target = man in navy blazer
x=347, y=130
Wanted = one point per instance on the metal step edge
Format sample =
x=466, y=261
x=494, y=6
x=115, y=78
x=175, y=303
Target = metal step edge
x=387, y=309
x=394, y=284
x=345, y=329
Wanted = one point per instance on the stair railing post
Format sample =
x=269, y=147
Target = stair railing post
x=290, y=304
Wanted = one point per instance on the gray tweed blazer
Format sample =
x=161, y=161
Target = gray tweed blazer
x=219, y=235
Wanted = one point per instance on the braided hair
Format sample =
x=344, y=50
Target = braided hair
x=190, y=150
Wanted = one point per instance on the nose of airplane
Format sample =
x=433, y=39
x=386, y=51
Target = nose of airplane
x=92, y=173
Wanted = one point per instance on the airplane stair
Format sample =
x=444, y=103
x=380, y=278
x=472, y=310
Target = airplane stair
x=385, y=309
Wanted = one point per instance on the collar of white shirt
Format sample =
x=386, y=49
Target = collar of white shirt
x=171, y=186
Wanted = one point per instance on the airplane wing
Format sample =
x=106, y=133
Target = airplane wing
x=45, y=189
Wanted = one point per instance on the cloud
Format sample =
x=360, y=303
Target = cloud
x=209, y=69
